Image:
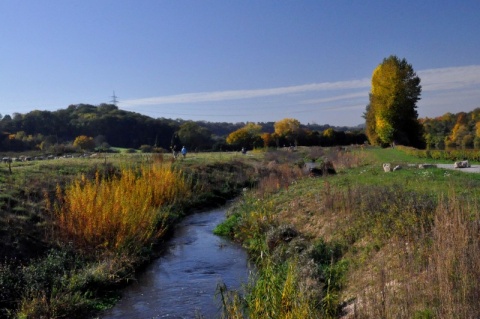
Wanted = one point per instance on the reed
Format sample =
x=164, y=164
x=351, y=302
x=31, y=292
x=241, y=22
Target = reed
x=276, y=292
x=121, y=212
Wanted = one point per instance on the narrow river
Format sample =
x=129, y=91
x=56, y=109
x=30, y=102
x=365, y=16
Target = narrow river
x=182, y=283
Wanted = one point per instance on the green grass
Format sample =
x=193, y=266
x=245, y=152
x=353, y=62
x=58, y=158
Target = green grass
x=391, y=155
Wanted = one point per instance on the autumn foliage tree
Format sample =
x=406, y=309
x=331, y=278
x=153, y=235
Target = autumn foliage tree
x=392, y=114
x=460, y=135
x=268, y=139
x=84, y=142
x=453, y=130
x=247, y=136
x=289, y=129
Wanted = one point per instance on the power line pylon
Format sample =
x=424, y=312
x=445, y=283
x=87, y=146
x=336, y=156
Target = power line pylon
x=114, y=99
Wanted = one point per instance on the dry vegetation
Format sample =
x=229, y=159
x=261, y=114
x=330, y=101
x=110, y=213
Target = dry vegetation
x=367, y=244
x=118, y=212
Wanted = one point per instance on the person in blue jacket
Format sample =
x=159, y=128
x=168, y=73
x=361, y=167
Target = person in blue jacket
x=184, y=152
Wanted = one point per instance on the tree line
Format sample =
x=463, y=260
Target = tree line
x=459, y=130
x=85, y=126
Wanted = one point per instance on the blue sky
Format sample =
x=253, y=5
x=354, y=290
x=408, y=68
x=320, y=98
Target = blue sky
x=234, y=60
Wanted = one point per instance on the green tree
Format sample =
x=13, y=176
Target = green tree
x=391, y=114
x=194, y=136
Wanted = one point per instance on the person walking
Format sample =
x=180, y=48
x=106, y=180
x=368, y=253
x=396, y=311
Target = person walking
x=184, y=152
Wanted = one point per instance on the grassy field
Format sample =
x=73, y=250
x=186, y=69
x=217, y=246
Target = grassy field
x=361, y=243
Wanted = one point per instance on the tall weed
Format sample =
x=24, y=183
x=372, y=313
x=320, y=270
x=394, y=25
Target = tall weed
x=121, y=212
x=282, y=286
x=276, y=292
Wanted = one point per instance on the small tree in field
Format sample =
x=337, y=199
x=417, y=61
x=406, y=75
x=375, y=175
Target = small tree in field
x=84, y=142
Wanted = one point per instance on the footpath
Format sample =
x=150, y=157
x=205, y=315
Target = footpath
x=472, y=169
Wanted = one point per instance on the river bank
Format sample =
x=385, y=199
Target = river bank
x=364, y=243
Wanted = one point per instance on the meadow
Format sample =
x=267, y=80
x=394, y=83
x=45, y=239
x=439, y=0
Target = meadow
x=361, y=243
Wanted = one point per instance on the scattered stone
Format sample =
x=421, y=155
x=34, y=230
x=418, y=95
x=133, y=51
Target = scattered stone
x=387, y=168
x=461, y=164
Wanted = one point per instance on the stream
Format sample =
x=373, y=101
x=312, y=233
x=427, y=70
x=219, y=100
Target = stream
x=182, y=282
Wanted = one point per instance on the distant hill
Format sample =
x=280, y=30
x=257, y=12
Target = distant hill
x=109, y=126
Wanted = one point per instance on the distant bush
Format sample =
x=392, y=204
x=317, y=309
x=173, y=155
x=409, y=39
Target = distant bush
x=146, y=149
x=446, y=155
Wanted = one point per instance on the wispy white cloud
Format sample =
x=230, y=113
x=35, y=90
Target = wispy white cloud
x=450, y=78
x=247, y=94
x=362, y=94
x=433, y=81
x=329, y=108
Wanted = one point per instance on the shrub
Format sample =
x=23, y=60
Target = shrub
x=226, y=228
x=146, y=149
x=279, y=235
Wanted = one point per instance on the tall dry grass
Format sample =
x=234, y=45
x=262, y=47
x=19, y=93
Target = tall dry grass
x=342, y=160
x=123, y=212
x=280, y=176
x=454, y=271
x=436, y=276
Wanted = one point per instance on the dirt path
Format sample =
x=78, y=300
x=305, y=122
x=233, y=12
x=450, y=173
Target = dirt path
x=472, y=169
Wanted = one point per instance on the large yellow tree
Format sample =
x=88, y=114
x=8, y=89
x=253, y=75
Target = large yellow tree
x=288, y=128
x=247, y=136
x=391, y=114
